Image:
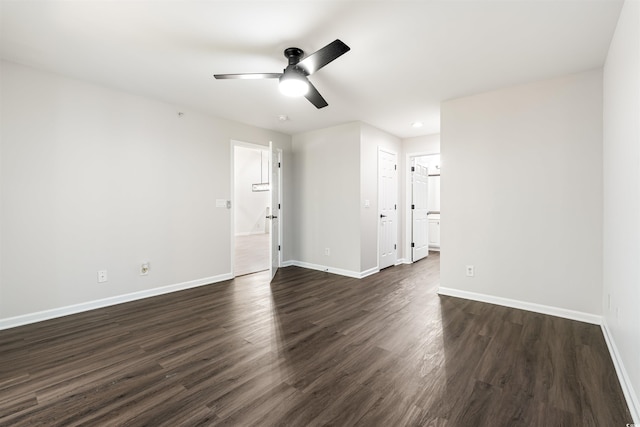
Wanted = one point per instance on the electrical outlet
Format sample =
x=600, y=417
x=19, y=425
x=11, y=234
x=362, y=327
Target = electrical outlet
x=102, y=276
x=469, y=269
x=327, y=251
x=144, y=269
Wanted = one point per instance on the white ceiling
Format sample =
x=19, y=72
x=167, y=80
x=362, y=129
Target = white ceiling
x=406, y=56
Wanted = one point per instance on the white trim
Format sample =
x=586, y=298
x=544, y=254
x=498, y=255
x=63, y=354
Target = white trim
x=25, y=319
x=287, y=263
x=434, y=248
x=403, y=261
x=339, y=271
x=625, y=382
x=523, y=305
x=369, y=272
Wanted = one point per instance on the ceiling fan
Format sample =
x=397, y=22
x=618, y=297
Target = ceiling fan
x=293, y=79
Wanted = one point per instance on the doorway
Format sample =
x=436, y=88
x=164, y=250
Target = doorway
x=423, y=216
x=251, y=208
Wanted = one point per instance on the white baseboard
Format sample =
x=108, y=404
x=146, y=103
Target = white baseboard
x=12, y=322
x=523, y=305
x=369, y=272
x=403, y=261
x=625, y=382
x=326, y=269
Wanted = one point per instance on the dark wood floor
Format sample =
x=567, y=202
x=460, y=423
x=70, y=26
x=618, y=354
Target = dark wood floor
x=310, y=349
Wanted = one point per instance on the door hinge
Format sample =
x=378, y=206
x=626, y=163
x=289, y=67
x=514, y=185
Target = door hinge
x=279, y=247
x=413, y=168
x=279, y=164
x=395, y=207
x=413, y=245
x=413, y=206
x=279, y=206
x=395, y=246
x=395, y=167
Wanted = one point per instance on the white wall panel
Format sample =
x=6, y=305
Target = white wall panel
x=521, y=193
x=94, y=178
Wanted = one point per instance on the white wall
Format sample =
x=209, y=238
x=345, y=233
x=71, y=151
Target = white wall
x=326, y=197
x=94, y=178
x=522, y=193
x=336, y=170
x=251, y=167
x=426, y=144
x=622, y=197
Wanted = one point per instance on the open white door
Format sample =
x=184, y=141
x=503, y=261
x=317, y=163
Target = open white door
x=387, y=205
x=275, y=162
x=419, y=211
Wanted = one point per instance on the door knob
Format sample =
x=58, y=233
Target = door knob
x=271, y=217
x=382, y=216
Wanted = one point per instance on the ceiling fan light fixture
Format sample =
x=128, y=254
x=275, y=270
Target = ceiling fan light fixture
x=293, y=80
x=293, y=84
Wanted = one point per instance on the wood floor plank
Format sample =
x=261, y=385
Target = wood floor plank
x=310, y=348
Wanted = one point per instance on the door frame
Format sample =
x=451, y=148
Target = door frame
x=232, y=241
x=408, y=195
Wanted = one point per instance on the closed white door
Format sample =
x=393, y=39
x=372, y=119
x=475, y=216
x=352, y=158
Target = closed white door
x=275, y=162
x=419, y=211
x=387, y=205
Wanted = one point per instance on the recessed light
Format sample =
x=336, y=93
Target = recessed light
x=416, y=124
x=283, y=117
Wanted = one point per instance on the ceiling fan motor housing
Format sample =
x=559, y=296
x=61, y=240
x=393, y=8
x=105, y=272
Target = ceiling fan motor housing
x=293, y=54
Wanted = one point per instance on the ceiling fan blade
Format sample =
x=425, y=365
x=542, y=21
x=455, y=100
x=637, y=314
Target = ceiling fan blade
x=322, y=57
x=315, y=98
x=248, y=76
